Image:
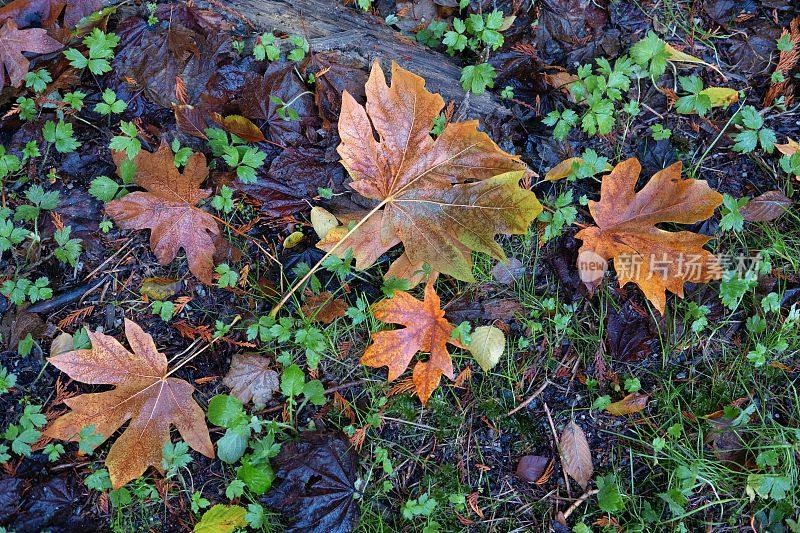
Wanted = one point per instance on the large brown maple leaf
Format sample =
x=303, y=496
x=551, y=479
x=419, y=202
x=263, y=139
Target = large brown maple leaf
x=426, y=331
x=441, y=198
x=13, y=42
x=144, y=394
x=169, y=210
x=655, y=259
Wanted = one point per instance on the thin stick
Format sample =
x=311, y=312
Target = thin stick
x=579, y=501
x=530, y=398
x=96, y=270
x=201, y=350
x=558, y=448
x=311, y=272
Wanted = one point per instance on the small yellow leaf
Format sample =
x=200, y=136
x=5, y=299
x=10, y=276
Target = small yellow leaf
x=677, y=56
x=160, y=288
x=507, y=23
x=721, y=96
x=61, y=344
x=322, y=221
x=632, y=403
x=292, y=240
x=563, y=169
x=222, y=519
x=488, y=344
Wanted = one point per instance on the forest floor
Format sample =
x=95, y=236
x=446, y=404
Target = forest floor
x=690, y=410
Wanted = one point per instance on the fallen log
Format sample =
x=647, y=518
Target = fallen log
x=360, y=38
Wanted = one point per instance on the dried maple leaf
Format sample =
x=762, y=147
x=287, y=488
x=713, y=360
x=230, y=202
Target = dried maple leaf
x=13, y=42
x=441, y=198
x=426, y=331
x=251, y=378
x=654, y=259
x=144, y=394
x=168, y=209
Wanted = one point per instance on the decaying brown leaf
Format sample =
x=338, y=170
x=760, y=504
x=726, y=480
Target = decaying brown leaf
x=48, y=11
x=632, y=403
x=766, y=207
x=655, y=259
x=13, y=42
x=262, y=97
x=143, y=393
x=576, y=457
x=441, y=198
x=426, y=331
x=251, y=378
x=532, y=467
x=323, y=307
x=169, y=209
x=192, y=50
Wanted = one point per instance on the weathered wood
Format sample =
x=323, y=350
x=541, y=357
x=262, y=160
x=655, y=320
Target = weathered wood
x=362, y=38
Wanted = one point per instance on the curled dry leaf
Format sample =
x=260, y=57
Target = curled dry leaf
x=13, y=42
x=441, y=198
x=143, y=393
x=487, y=345
x=632, y=403
x=251, y=378
x=169, y=209
x=531, y=467
x=656, y=260
x=323, y=307
x=575, y=454
x=426, y=331
x=766, y=207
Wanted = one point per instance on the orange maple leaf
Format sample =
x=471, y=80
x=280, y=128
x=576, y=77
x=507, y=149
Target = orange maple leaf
x=656, y=260
x=168, y=209
x=441, y=198
x=13, y=42
x=426, y=331
x=144, y=394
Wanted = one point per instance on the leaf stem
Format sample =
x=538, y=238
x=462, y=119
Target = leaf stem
x=335, y=247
